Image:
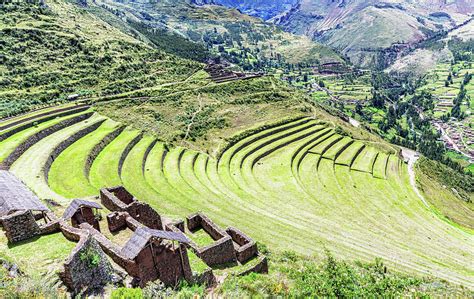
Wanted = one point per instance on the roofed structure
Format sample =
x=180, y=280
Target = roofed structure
x=76, y=204
x=15, y=196
x=142, y=236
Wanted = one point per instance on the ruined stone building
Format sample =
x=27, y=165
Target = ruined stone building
x=80, y=211
x=158, y=257
x=20, y=209
x=119, y=199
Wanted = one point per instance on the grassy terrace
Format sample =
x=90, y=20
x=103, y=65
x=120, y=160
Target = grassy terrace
x=71, y=163
x=274, y=185
x=8, y=145
x=29, y=167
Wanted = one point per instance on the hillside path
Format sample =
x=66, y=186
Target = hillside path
x=411, y=157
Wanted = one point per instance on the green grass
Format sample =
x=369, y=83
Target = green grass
x=104, y=170
x=348, y=156
x=365, y=161
x=71, y=164
x=40, y=255
x=200, y=237
x=8, y=145
x=258, y=187
x=197, y=265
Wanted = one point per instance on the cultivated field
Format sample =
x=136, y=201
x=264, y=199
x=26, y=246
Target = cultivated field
x=294, y=185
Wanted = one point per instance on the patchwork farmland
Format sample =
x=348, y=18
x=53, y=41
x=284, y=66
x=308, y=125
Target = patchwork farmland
x=296, y=184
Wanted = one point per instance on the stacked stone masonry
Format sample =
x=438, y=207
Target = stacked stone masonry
x=218, y=253
x=20, y=226
x=119, y=199
x=87, y=267
x=245, y=247
x=146, y=257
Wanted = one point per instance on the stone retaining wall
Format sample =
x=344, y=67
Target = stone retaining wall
x=199, y=220
x=145, y=214
x=147, y=152
x=127, y=150
x=116, y=198
x=99, y=147
x=33, y=139
x=66, y=143
x=39, y=121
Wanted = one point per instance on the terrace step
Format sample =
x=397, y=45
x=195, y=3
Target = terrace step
x=104, y=171
x=73, y=160
x=32, y=165
x=60, y=111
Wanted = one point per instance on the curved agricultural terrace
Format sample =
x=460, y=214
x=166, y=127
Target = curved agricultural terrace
x=296, y=185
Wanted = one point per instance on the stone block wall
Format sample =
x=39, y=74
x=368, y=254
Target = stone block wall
x=20, y=226
x=221, y=251
x=145, y=214
x=116, y=198
x=85, y=214
x=218, y=253
x=199, y=220
x=164, y=262
x=245, y=247
x=119, y=199
x=87, y=267
x=116, y=221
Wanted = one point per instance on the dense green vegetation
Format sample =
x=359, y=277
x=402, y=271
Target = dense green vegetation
x=240, y=39
x=48, y=54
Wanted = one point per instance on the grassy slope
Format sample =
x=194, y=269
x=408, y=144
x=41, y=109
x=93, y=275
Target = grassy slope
x=195, y=22
x=52, y=52
x=71, y=163
x=350, y=212
x=454, y=200
x=306, y=209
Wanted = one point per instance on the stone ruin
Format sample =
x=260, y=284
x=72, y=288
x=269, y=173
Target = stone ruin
x=158, y=248
x=157, y=257
x=87, y=267
x=82, y=211
x=20, y=209
x=20, y=225
x=218, y=253
x=229, y=246
x=119, y=199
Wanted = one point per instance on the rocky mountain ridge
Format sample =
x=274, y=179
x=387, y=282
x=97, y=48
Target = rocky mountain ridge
x=359, y=29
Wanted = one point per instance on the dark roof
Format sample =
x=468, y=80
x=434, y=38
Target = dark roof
x=76, y=204
x=15, y=196
x=142, y=235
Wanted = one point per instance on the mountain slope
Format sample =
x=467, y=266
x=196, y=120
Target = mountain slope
x=223, y=29
x=265, y=9
x=359, y=28
x=50, y=52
